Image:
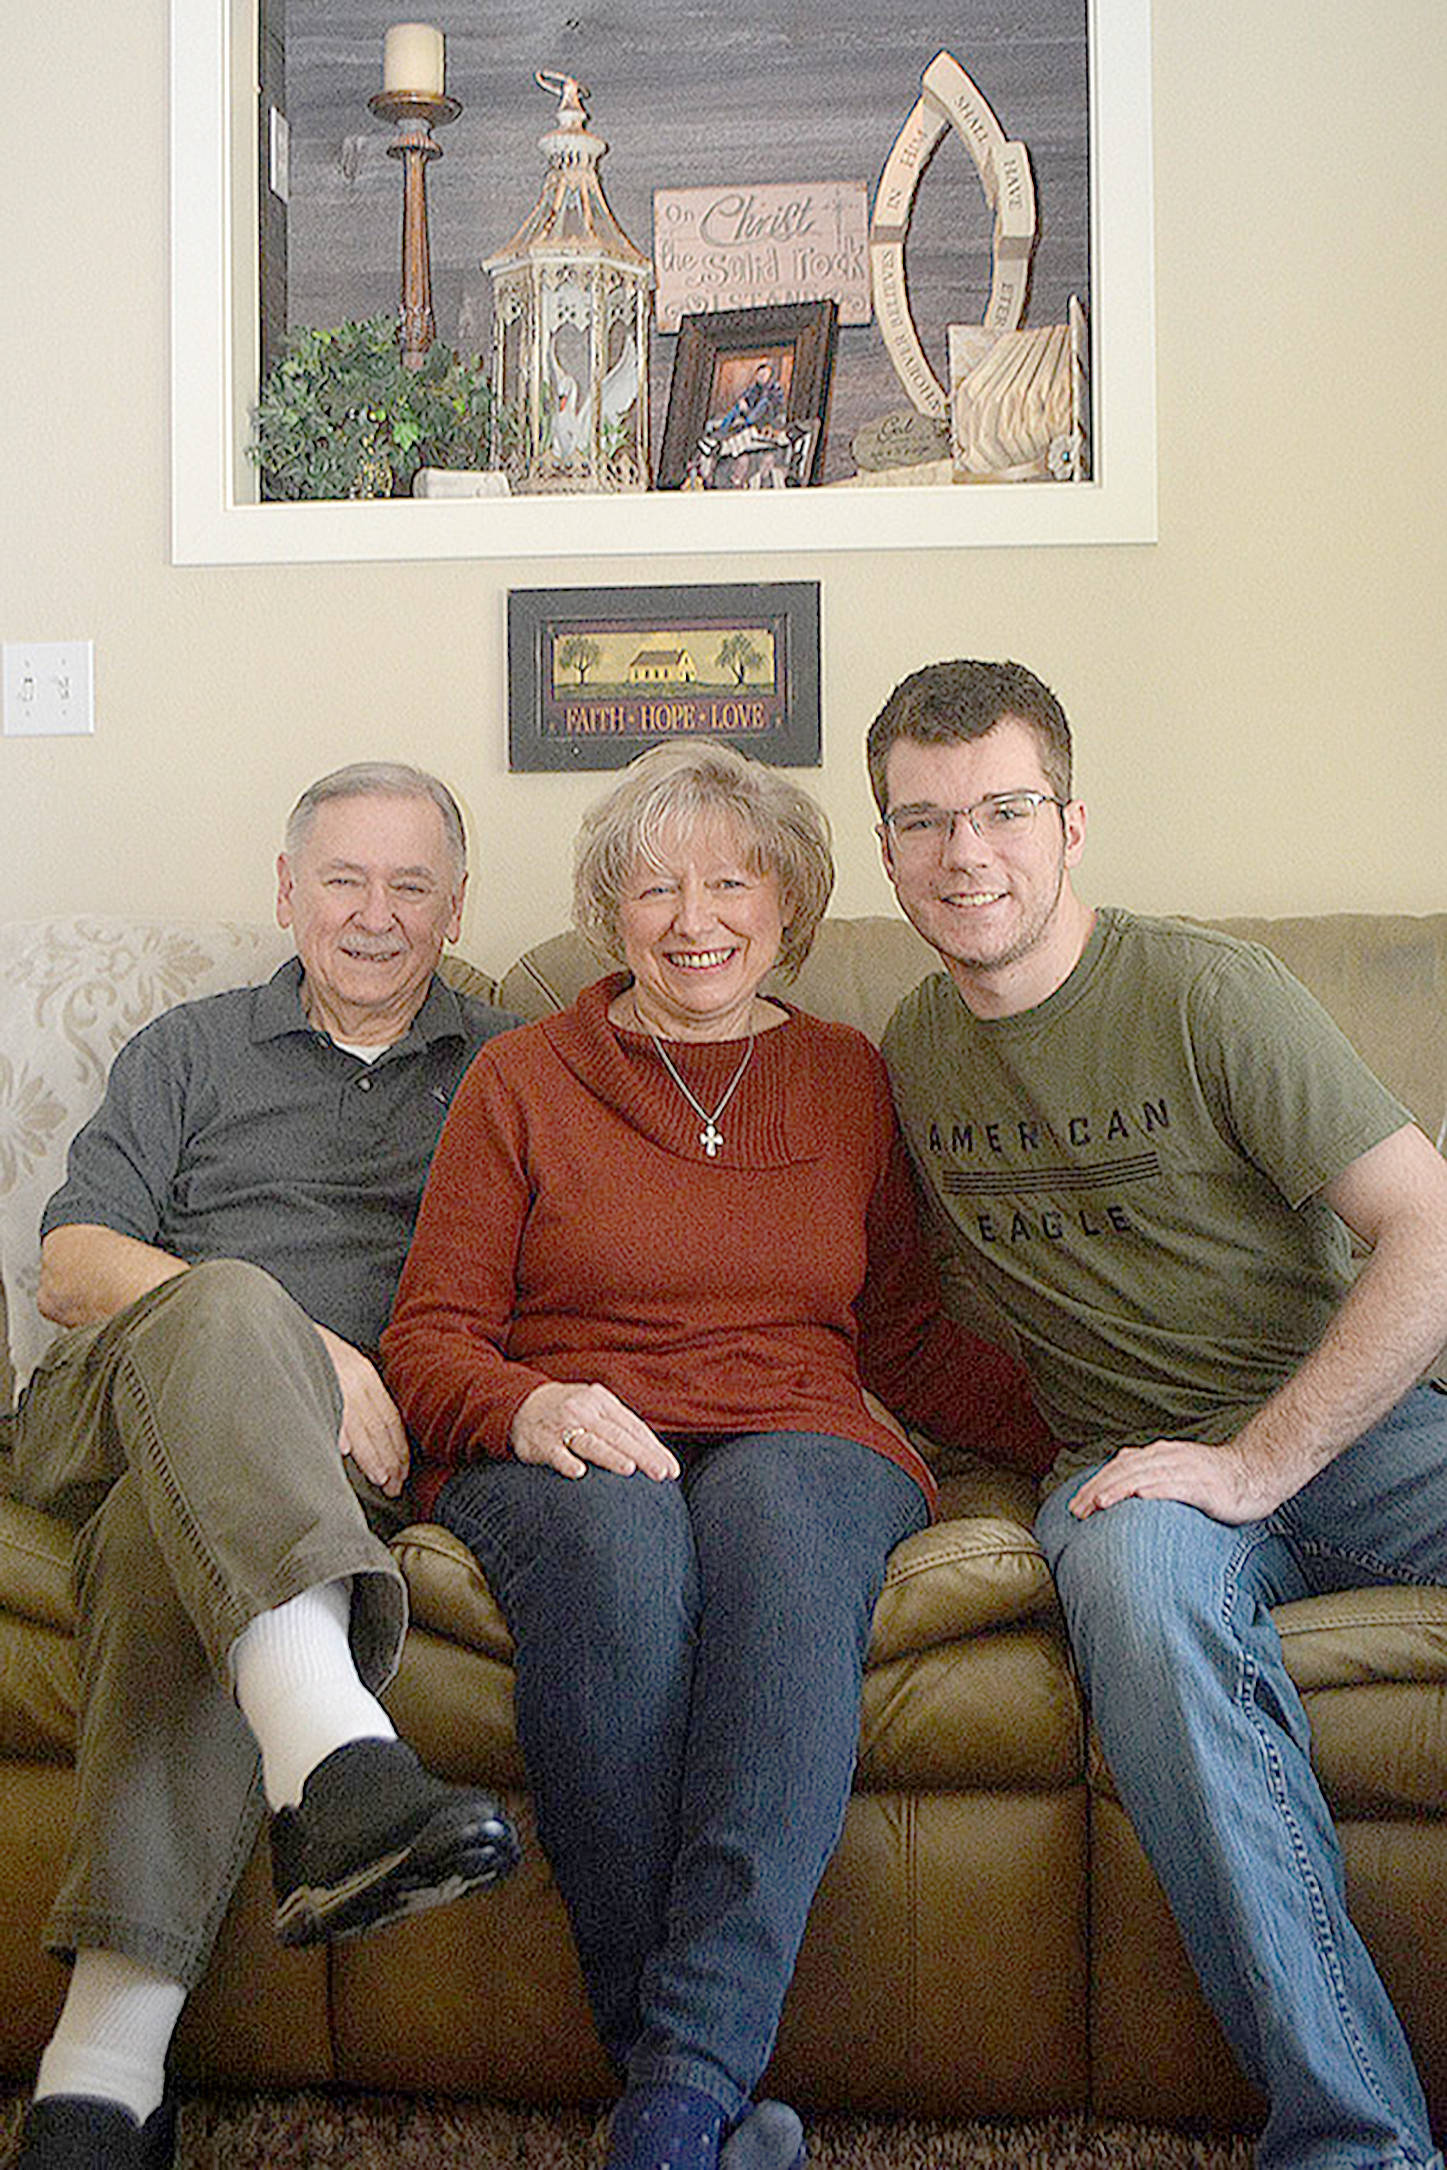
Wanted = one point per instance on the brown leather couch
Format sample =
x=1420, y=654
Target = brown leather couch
x=988, y=1939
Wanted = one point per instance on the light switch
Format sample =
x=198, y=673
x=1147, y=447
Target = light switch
x=49, y=688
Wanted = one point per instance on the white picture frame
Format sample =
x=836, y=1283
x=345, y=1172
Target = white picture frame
x=217, y=518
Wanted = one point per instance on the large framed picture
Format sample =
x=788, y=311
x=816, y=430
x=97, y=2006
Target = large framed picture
x=596, y=675
x=749, y=401
x=284, y=214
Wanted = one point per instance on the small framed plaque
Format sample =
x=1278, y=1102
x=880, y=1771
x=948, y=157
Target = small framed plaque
x=597, y=675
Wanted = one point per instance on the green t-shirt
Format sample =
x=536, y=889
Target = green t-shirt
x=1122, y=1183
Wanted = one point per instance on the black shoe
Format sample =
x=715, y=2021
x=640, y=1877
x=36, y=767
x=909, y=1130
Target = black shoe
x=377, y=1837
x=79, y=2132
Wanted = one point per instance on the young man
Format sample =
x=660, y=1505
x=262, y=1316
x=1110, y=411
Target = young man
x=224, y=1254
x=1142, y=1145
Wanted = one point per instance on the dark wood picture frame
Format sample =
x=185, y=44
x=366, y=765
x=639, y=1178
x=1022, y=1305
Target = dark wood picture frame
x=715, y=357
x=597, y=675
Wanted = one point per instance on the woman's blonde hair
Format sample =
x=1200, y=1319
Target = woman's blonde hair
x=678, y=786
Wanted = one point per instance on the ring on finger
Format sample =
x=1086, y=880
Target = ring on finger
x=574, y=1431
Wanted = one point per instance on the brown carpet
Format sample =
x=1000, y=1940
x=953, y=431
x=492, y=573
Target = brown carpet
x=316, y=2131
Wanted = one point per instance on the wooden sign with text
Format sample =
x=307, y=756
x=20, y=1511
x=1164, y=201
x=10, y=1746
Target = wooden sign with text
x=740, y=247
x=597, y=675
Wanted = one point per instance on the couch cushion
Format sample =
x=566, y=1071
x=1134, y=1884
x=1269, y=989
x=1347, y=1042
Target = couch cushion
x=39, y=1677
x=1383, y=977
x=448, y=1592
x=1359, y=1638
x=39, y=1692
x=968, y=1687
x=968, y=1682
x=998, y=1712
x=958, y=1579
x=1371, y=1666
x=953, y=1580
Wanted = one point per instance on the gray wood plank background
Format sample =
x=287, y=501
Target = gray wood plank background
x=688, y=95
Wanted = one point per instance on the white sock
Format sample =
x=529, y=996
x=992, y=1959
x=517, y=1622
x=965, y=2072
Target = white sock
x=299, y=1690
x=113, y=2034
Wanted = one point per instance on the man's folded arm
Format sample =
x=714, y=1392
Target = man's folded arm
x=89, y=1272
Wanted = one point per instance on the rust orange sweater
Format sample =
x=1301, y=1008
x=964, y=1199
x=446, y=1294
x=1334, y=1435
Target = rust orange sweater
x=573, y=1228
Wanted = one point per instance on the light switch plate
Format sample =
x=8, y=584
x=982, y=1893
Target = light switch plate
x=49, y=688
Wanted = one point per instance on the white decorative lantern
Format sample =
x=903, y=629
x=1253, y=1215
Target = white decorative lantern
x=570, y=326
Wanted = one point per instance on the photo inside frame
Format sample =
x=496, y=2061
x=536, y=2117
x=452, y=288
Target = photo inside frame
x=734, y=375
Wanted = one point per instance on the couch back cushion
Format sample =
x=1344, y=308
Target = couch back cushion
x=854, y=974
x=1383, y=977
x=71, y=991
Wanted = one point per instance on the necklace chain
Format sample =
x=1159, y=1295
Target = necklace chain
x=710, y=1137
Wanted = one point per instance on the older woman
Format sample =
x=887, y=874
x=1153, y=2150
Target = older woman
x=666, y=1236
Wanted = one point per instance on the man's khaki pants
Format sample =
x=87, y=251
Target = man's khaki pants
x=192, y=1443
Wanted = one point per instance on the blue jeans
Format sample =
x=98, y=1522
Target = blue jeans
x=689, y=1660
x=1168, y=1613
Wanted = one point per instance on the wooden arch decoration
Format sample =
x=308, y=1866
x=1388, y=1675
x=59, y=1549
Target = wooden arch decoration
x=949, y=100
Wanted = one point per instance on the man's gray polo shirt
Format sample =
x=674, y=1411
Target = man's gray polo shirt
x=231, y=1128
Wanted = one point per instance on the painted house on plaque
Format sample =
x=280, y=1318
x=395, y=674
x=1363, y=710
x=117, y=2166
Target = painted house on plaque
x=662, y=667
x=570, y=326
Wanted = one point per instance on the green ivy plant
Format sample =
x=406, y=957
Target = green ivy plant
x=338, y=415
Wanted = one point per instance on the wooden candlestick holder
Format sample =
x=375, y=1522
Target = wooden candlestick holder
x=414, y=115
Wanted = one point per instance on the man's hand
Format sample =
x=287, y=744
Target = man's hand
x=1394, y=1197
x=1224, y=1482
x=567, y=1427
x=372, y=1431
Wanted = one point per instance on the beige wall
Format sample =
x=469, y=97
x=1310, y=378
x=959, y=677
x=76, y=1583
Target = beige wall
x=1258, y=698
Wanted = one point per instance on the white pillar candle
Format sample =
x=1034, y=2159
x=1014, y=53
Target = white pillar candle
x=412, y=60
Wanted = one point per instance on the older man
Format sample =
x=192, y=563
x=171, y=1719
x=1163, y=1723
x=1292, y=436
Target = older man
x=224, y=1253
x=1144, y=1144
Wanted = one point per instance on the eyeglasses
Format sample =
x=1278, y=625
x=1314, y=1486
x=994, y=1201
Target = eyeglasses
x=920, y=832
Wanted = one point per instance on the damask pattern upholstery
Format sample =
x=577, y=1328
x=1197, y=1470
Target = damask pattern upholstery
x=71, y=992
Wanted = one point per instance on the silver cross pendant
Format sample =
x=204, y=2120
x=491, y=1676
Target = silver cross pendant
x=710, y=1139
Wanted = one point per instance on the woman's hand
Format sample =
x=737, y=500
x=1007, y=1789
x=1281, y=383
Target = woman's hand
x=568, y=1427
